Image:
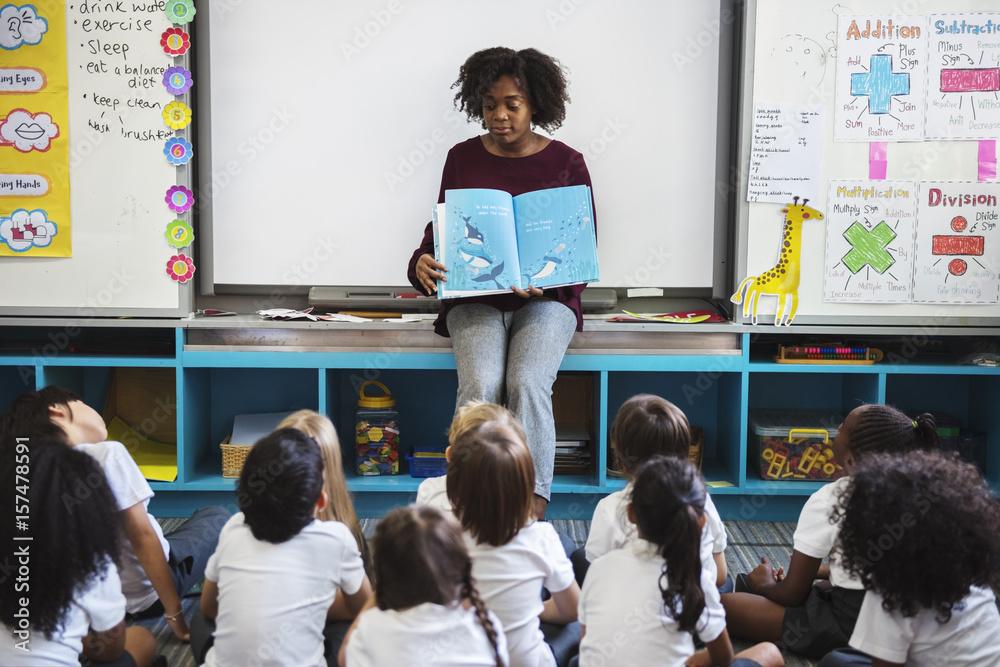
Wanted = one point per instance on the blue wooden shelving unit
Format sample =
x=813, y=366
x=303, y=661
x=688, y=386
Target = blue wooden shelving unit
x=715, y=389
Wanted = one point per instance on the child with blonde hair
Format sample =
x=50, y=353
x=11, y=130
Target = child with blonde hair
x=425, y=599
x=433, y=490
x=491, y=486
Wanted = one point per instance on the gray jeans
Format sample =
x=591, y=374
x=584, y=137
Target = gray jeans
x=512, y=358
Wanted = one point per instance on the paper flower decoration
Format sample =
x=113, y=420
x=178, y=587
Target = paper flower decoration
x=179, y=234
x=180, y=267
x=175, y=41
x=180, y=11
x=177, y=115
x=178, y=151
x=179, y=199
x=177, y=80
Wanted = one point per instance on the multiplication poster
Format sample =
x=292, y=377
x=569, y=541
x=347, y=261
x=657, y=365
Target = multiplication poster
x=963, y=76
x=957, y=255
x=880, y=78
x=869, y=242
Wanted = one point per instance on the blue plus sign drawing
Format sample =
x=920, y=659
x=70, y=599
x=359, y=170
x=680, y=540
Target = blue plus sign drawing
x=880, y=84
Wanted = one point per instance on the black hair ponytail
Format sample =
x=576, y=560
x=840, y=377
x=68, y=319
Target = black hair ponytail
x=668, y=499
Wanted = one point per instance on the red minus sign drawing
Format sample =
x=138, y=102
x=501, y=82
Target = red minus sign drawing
x=957, y=245
x=983, y=80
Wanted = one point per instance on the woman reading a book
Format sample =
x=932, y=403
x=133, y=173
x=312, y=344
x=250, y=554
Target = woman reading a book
x=508, y=347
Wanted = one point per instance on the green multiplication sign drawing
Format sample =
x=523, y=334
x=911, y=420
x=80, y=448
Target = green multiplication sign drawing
x=868, y=247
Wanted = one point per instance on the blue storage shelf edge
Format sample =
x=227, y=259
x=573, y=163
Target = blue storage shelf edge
x=728, y=385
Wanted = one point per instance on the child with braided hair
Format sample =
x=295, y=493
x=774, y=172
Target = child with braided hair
x=425, y=599
x=814, y=619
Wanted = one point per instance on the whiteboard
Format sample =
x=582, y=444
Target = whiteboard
x=117, y=180
x=330, y=123
x=789, y=52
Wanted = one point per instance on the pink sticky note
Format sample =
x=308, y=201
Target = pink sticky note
x=877, y=160
x=988, y=160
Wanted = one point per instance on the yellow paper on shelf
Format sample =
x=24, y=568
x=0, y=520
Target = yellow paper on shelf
x=157, y=461
x=719, y=485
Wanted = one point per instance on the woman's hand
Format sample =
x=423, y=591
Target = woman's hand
x=429, y=271
x=531, y=291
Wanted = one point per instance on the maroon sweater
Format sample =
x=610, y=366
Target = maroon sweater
x=470, y=165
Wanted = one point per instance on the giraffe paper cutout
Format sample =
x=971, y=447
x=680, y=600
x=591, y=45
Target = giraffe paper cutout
x=782, y=279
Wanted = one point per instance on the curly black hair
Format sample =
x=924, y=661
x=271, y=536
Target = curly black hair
x=281, y=480
x=540, y=77
x=919, y=529
x=73, y=523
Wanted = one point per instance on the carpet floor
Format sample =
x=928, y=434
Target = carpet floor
x=748, y=541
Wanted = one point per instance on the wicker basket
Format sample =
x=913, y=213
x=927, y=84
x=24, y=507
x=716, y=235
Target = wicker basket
x=233, y=457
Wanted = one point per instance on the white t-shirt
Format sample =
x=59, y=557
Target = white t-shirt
x=433, y=492
x=428, y=634
x=969, y=639
x=273, y=598
x=610, y=529
x=510, y=580
x=815, y=536
x=130, y=487
x=626, y=622
x=100, y=606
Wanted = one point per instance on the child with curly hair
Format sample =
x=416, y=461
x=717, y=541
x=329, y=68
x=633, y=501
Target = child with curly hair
x=816, y=619
x=641, y=604
x=922, y=533
x=71, y=602
x=645, y=426
x=425, y=599
x=513, y=556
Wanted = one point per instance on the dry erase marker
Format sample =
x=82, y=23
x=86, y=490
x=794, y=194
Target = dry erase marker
x=408, y=295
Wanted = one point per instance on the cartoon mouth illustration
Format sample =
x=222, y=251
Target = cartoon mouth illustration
x=29, y=132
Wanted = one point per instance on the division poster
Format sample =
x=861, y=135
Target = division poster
x=957, y=255
x=869, y=241
x=880, y=78
x=963, y=77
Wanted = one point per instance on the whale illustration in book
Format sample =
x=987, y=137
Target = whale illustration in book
x=569, y=230
x=471, y=248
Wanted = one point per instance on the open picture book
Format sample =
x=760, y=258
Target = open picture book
x=490, y=241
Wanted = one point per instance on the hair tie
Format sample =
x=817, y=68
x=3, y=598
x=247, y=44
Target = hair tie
x=914, y=424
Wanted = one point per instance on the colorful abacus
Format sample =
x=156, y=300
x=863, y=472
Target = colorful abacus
x=831, y=354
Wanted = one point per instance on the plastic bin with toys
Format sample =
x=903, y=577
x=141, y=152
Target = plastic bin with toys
x=796, y=445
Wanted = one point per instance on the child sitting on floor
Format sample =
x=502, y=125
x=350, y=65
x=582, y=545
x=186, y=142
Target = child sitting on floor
x=491, y=486
x=156, y=570
x=272, y=580
x=433, y=491
x=922, y=532
x=641, y=604
x=647, y=425
x=61, y=596
x=816, y=619
x=425, y=599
